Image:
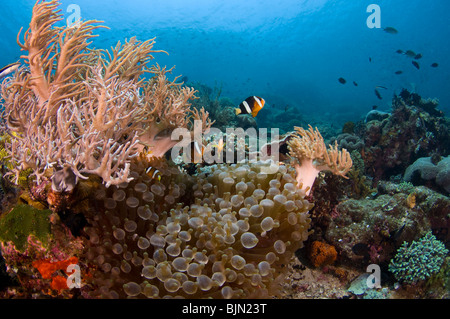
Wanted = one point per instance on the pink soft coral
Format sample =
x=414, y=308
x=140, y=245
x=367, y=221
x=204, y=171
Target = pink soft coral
x=310, y=156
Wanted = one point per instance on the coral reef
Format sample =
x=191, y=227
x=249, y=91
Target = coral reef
x=85, y=181
x=348, y=127
x=410, y=132
x=370, y=230
x=350, y=142
x=376, y=115
x=31, y=240
x=424, y=172
x=419, y=260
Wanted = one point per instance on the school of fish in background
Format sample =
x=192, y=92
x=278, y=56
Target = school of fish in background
x=407, y=53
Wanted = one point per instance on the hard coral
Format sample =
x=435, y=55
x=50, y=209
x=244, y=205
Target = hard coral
x=225, y=233
x=419, y=260
x=424, y=172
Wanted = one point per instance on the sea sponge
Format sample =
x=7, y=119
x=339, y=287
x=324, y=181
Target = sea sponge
x=23, y=221
x=225, y=233
x=321, y=254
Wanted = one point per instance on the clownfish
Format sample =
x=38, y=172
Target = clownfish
x=10, y=68
x=251, y=105
x=219, y=146
x=153, y=173
x=195, y=151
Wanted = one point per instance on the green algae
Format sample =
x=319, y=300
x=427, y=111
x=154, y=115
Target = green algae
x=23, y=221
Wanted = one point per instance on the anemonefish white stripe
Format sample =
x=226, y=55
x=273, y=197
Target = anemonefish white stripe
x=259, y=101
x=155, y=172
x=247, y=107
x=197, y=148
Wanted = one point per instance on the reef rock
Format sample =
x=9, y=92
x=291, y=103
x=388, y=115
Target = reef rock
x=371, y=229
x=376, y=115
x=424, y=172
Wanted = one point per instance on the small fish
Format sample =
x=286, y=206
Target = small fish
x=360, y=249
x=153, y=173
x=378, y=94
x=219, y=146
x=434, y=65
x=390, y=30
x=355, y=84
x=395, y=235
x=196, y=152
x=10, y=68
x=374, y=107
x=251, y=105
x=416, y=65
x=399, y=51
x=381, y=87
x=398, y=72
x=286, y=108
x=418, y=56
x=410, y=53
x=342, y=80
x=370, y=59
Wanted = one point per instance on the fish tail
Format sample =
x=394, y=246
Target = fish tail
x=238, y=111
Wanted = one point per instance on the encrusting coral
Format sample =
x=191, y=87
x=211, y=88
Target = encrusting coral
x=311, y=156
x=88, y=109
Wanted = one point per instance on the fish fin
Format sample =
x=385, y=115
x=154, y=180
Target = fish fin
x=238, y=111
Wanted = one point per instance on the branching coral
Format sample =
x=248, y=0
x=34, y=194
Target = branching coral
x=418, y=260
x=88, y=109
x=311, y=156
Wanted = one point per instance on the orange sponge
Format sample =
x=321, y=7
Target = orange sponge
x=321, y=254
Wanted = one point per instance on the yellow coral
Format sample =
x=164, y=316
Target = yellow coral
x=411, y=200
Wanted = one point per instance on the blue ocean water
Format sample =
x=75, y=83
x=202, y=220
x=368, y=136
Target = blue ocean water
x=291, y=52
